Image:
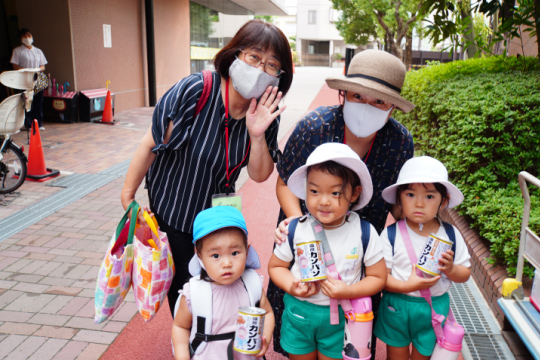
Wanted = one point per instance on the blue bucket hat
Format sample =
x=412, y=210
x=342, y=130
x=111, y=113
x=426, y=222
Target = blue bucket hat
x=215, y=218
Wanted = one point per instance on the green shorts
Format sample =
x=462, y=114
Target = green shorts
x=305, y=327
x=406, y=319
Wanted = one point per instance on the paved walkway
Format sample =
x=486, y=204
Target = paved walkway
x=48, y=269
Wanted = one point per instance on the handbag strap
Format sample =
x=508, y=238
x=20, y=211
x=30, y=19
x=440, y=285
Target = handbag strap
x=436, y=319
x=330, y=264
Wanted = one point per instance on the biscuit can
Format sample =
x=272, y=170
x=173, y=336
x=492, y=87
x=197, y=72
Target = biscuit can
x=249, y=328
x=311, y=261
x=428, y=261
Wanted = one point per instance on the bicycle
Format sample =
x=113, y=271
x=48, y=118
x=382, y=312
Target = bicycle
x=13, y=161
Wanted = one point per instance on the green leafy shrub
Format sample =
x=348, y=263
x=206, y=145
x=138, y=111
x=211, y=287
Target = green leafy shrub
x=481, y=118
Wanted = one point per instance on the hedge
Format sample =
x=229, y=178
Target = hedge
x=481, y=118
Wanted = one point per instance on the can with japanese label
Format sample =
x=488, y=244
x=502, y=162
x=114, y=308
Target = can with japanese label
x=428, y=261
x=311, y=261
x=249, y=328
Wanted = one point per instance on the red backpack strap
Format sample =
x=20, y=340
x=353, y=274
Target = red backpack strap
x=207, y=88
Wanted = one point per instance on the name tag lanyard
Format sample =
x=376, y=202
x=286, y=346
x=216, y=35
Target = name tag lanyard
x=228, y=174
x=370, y=147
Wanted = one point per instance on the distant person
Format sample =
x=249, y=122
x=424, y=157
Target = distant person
x=422, y=191
x=188, y=159
x=27, y=56
x=371, y=92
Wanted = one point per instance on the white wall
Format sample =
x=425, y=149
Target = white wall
x=323, y=29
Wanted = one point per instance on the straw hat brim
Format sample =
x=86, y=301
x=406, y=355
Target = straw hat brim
x=371, y=88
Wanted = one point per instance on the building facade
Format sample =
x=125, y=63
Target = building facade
x=88, y=43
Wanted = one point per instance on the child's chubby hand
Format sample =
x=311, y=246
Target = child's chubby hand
x=334, y=288
x=264, y=347
x=446, y=262
x=415, y=282
x=301, y=289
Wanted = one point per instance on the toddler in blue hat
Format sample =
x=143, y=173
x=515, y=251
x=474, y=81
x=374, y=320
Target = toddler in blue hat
x=224, y=280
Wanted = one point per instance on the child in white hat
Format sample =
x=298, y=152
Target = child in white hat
x=332, y=182
x=421, y=191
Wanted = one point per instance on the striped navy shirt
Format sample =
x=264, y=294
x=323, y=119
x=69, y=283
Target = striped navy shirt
x=190, y=168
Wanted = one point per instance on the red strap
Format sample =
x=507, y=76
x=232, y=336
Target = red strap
x=207, y=88
x=370, y=147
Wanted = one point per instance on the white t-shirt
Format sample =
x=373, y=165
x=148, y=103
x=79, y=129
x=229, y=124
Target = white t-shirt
x=401, y=265
x=346, y=245
x=28, y=58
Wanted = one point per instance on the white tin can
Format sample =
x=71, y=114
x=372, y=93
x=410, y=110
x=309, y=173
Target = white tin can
x=428, y=261
x=249, y=329
x=311, y=261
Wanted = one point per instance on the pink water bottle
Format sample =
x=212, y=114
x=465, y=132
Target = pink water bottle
x=451, y=347
x=357, y=341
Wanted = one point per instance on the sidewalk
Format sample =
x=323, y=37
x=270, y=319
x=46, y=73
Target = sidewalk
x=53, y=238
x=48, y=269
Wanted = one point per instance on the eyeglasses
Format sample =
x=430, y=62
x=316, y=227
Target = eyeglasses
x=255, y=61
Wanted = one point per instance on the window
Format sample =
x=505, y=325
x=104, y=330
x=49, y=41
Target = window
x=311, y=49
x=335, y=15
x=312, y=16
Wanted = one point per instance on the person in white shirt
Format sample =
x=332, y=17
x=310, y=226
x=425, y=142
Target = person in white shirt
x=27, y=56
x=334, y=182
x=405, y=317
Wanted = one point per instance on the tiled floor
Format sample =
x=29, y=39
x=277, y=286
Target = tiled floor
x=48, y=270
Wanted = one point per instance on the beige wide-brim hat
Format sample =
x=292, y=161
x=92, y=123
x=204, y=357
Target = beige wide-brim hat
x=420, y=170
x=377, y=74
x=342, y=154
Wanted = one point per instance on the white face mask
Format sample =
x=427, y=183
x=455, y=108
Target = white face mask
x=249, y=81
x=363, y=119
x=27, y=41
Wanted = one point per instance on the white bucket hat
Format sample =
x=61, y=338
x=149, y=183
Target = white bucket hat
x=424, y=169
x=342, y=154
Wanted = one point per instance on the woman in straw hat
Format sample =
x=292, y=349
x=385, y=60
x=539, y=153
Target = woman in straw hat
x=371, y=93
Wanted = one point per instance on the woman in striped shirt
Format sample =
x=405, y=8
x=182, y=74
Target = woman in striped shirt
x=187, y=158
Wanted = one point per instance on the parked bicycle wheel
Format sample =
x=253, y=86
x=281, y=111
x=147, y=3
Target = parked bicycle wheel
x=12, y=169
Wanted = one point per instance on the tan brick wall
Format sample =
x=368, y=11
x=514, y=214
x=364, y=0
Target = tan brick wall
x=172, y=42
x=122, y=64
x=70, y=33
x=49, y=23
x=488, y=277
x=526, y=46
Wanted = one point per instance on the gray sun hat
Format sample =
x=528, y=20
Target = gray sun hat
x=377, y=74
x=342, y=154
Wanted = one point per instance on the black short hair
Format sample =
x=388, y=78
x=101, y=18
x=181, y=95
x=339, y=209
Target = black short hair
x=24, y=31
x=441, y=189
x=349, y=177
x=257, y=33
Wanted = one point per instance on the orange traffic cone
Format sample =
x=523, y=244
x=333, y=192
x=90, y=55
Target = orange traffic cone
x=107, y=117
x=36, y=161
x=293, y=69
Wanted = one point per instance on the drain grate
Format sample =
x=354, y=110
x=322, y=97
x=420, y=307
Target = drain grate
x=75, y=187
x=80, y=180
x=486, y=346
x=470, y=317
x=483, y=338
